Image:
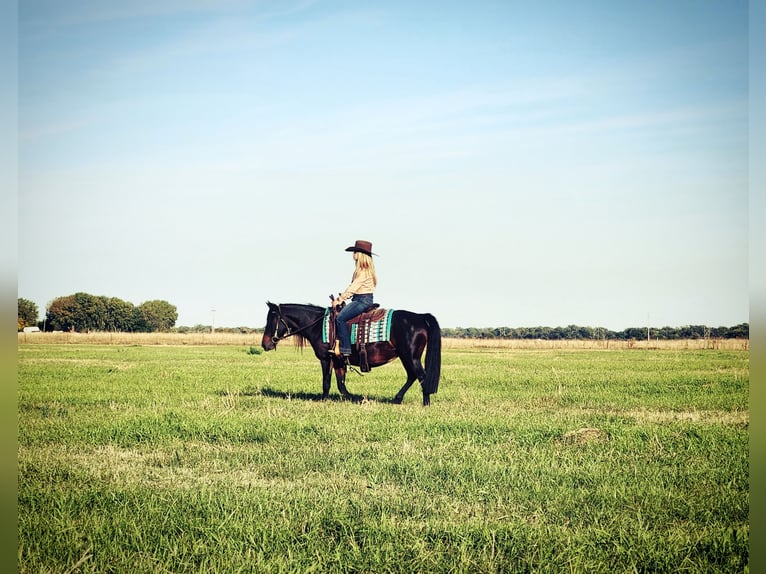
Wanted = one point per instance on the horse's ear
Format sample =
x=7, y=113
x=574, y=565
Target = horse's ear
x=271, y=305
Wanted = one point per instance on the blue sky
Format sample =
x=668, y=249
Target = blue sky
x=513, y=163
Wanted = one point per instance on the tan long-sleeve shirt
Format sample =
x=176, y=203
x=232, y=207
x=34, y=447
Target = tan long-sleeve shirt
x=361, y=283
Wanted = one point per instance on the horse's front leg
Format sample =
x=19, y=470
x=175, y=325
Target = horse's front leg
x=326, y=378
x=340, y=378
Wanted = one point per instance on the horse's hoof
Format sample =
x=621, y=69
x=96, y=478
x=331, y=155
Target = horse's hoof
x=397, y=400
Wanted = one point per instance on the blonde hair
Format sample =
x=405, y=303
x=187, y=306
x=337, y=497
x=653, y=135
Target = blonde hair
x=364, y=263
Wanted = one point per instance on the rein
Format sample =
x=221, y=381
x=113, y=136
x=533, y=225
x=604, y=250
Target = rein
x=279, y=319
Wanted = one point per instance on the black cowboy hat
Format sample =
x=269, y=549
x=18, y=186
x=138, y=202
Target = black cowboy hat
x=362, y=246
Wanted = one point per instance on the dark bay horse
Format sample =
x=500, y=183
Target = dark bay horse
x=411, y=334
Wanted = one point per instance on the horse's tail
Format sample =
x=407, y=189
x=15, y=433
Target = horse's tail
x=433, y=355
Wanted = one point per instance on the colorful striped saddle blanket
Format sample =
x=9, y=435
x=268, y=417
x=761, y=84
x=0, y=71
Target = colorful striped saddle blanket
x=378, y=330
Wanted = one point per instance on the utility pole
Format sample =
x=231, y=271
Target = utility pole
x=648, y=329
x=212, y=326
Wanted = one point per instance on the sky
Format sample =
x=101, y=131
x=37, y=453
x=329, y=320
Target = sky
x=513, y=163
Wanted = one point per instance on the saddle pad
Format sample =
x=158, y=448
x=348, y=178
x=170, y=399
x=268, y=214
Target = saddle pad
x=380, y=330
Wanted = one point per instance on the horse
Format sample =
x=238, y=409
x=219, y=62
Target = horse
x=411, y=334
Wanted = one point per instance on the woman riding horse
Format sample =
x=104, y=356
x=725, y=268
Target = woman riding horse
x=363, y=283
x=410, y=335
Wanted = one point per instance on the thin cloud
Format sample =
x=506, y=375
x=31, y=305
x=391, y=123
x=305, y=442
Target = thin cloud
x=55, y=13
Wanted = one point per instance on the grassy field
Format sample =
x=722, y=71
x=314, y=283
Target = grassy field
x=217, y=458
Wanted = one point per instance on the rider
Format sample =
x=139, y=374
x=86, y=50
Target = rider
x=360, y=290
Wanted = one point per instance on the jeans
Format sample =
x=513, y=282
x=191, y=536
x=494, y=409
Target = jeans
x=357, y=305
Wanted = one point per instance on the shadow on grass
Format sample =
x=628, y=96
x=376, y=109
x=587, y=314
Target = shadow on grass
x=270, y=393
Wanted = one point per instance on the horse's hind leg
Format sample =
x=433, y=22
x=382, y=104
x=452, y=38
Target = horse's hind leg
x=410, y=359
x=400, y=395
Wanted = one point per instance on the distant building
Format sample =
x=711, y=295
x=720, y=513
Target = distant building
x=31, y=329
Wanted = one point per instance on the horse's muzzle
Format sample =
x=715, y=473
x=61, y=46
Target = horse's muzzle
x=268, y=343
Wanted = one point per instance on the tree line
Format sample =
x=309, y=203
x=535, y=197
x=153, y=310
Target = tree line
x=83, y=312
x=571, y=332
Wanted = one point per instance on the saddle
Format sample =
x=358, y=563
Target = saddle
x=362, y=321
x=372, y=313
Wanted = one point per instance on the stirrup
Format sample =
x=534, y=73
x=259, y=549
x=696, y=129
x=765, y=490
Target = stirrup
x=351, y=367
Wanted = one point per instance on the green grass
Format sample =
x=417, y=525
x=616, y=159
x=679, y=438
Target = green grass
x=217, y=459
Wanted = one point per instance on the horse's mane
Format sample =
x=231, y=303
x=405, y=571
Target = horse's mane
x=299, y=340
x=309, y=306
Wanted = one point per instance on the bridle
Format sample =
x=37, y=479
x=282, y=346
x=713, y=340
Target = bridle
x=288, y=332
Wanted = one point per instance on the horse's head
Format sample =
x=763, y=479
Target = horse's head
x=291, y=320
x=275, y=328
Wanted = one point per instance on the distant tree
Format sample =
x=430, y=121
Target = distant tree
x=540, y=332
x=741, y=331
x=158, y=315
x=637, y=333
x=91, y=312
x=122, y=315
x=574, y=332
x=84, y=312
x=27, y=313
x=62, y=313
